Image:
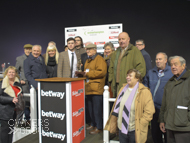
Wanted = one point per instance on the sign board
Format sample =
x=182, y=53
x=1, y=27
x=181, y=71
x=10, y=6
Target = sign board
x=98, y=34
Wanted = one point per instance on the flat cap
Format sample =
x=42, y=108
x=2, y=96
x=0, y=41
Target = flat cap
x=91, y=46
x=28, y=46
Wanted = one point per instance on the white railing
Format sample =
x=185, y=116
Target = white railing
x=106, y=112
x=20, y=133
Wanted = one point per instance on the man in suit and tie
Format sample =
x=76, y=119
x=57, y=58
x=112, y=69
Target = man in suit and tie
x=20, y=68
x=67, y=62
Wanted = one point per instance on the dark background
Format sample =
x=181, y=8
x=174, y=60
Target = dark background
x=164, y=25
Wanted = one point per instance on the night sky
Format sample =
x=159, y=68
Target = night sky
x=164, y=25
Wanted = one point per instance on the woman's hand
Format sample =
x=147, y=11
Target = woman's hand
x=15, y=100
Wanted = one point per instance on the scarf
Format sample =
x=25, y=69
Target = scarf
x=126, y=109
x=51, y=61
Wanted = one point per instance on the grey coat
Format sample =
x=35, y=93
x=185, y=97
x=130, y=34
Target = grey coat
x=20, y=68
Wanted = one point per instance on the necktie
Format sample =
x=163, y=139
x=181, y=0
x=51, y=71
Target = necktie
x=72, y=59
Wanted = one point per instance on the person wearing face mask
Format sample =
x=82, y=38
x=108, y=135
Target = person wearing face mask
x=51, y=61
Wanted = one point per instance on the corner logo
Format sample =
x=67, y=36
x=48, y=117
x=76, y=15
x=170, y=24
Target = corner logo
x=77, y=93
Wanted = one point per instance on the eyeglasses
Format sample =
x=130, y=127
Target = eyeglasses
x=77, y=40
x=139, y=44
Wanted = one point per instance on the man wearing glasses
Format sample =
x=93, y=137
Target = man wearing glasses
x=79, y=48
x=141, y=45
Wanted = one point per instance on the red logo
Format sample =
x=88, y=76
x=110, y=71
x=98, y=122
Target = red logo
x=71, y=35
x=114, y=32
x=113, y=37
x=99, y=43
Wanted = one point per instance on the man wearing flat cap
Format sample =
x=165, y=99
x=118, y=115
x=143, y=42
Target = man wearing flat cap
x=20, y=68
x=95, y=70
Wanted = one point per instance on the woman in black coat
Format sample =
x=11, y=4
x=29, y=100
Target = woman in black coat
x=51, y=60
x=9, y=91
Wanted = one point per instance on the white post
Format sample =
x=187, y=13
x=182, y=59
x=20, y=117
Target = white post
x=106, y=96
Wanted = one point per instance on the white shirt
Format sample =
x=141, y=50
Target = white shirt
x=74, y=62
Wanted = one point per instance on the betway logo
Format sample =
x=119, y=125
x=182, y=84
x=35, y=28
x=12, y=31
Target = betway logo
x=51, y=134
x=77, y=113
x=52, y=94
x=51, y=114
x=78, y=132
x=113, y=37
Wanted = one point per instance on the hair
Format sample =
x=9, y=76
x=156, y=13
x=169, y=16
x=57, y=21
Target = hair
x=110, y=45
x=70, y=39
x=12, y=68
x=52, y=43
x=137, y=74
x=82, y=44
x=49, y=48
x=140, y=40
x=65, y=47
x=181, y=59
x=38, y=46
x=166, y=57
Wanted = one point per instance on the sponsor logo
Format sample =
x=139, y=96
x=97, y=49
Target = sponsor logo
x=51, y=134
x=99, y=43
x=51, y=114
x=77, y=93
x=53, y=94
x=70, y=35
x=93, y=33
x=114, y=42
x=71, y=30
x=76, y=133
x=77, y=113
x=114, y=27
x=113, y=37
x=114, y=32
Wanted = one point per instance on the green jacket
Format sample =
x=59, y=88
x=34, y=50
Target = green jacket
x=176, y=93
x=132, y=59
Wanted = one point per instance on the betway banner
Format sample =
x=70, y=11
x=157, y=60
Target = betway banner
x=97, y=34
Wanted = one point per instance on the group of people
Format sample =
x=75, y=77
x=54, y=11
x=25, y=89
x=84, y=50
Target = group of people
x=143, y=94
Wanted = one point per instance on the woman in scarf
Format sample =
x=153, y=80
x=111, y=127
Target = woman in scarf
x=51, y=60
x=132, y=110
x=9, y=92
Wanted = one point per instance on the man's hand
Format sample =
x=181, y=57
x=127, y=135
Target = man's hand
x=162, y=127
x=22, y=82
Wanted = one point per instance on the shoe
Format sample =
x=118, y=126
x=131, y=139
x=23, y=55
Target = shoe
x=90, y=127
x=95, y=131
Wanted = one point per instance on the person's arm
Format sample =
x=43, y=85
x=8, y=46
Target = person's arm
x=100, y=70
x=28, y=73
x=60, y=66
x=139, y=62
x=162, y=111
x=148, y=108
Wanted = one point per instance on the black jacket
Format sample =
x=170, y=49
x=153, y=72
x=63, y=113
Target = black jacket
x=7, y=107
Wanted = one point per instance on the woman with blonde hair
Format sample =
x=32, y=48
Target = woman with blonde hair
x=9, y=94
x=51, y=60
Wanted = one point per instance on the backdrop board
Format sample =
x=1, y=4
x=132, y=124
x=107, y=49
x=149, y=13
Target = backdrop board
x=61, y=110
x=97, y=34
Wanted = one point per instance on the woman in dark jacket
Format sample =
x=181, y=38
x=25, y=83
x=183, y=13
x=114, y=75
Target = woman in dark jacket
x=51, y=60
x=9, y=92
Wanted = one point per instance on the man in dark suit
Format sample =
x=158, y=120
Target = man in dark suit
x=34, y=66
x=20, y=68
x=67, y=62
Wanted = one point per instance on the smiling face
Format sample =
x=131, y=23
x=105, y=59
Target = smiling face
x=11, y=74
x=36, y=51
x=123, y=40
x=90, y=52
x=51, y=53
x=176, y=67
x=131, y=79
x=27, y=51
x=108, y=50
x=161, y=61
